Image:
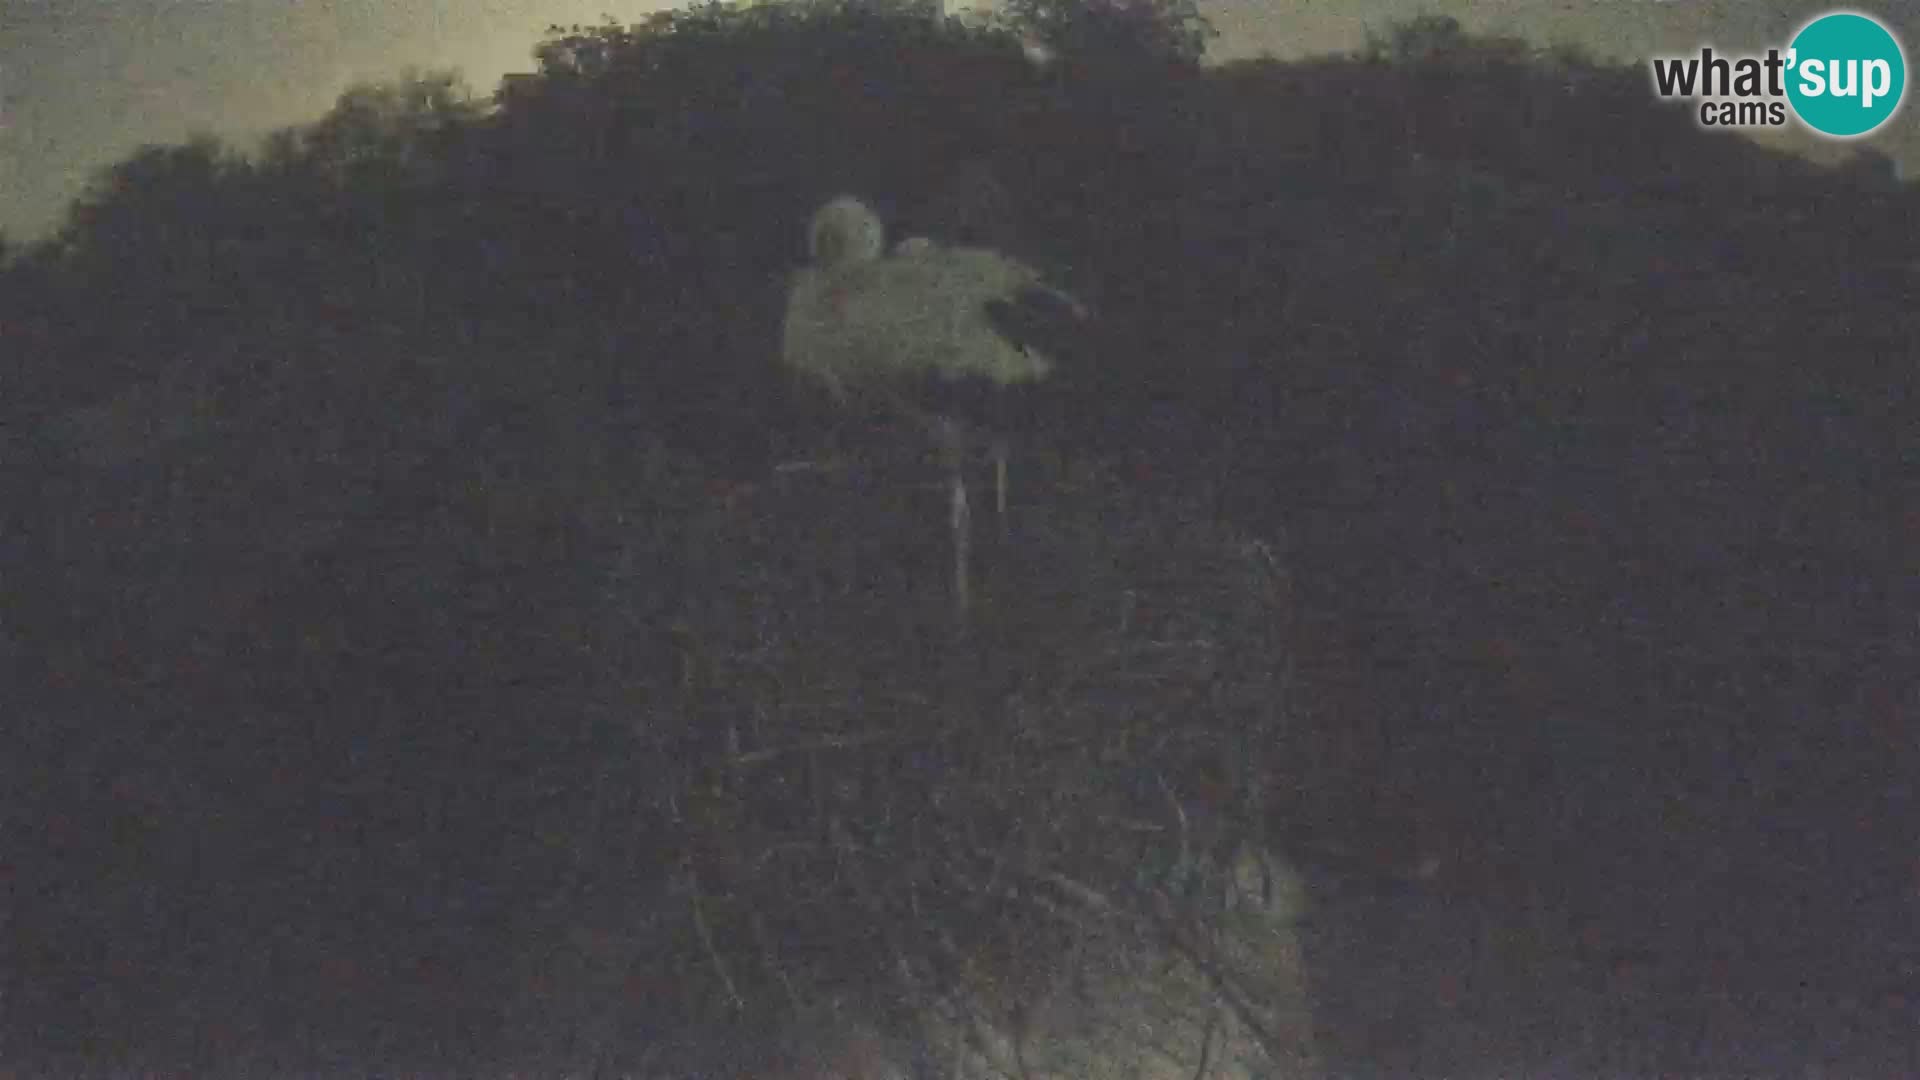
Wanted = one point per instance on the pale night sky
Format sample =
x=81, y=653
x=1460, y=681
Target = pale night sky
x=82, y=82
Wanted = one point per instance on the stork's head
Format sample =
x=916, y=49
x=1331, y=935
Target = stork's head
x=845, y=231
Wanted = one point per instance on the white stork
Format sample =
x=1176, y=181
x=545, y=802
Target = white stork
x=910, y=332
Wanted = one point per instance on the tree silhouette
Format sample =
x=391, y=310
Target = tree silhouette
x=1581, y=428
x=1423, y=37
x=392, y=134
x=1113, y=33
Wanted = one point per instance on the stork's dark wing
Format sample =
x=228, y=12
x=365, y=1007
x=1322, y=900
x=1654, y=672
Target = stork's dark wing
x=1041, y=319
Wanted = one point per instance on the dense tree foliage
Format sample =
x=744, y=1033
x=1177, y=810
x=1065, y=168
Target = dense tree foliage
x=376, y=486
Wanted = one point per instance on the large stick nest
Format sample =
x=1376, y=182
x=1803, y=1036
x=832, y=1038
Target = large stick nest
x=857, y=810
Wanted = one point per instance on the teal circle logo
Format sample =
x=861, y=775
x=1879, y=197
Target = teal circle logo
x=1846, y=74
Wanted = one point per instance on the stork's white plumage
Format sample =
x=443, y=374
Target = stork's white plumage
x=878, y=327
x=861, y=323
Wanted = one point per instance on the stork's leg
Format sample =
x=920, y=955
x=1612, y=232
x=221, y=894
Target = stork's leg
x=962, y=527
x=952, y=442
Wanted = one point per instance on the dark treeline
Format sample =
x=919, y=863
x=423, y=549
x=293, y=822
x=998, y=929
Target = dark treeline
x=1587, y=437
